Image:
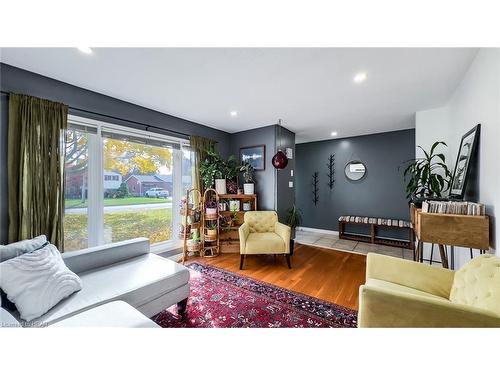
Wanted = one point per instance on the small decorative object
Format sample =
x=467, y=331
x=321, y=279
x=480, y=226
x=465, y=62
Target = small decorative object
x=428, y=176
x=289, y=153
x=248, y=172
x=240, y=191
x=466, y=151
x=315, y=181
x=232, y=186
x=247, y=206
x=255, y=156
x=234, y=205
x=331, y=170
x=355, y=170
x=280, y=160
x=222, y=206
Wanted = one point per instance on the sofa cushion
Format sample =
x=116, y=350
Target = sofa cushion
x=261, y=221
x=136, y=281
x=478, y=284
x=15, y=249
x=400, y=288
x=37, y=281
x=113, y=314
x=264, y=243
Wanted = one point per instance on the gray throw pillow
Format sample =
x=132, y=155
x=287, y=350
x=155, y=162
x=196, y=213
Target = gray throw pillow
x=22, y=247
x=37, y=281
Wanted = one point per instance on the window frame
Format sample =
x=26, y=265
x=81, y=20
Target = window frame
x=95, y=207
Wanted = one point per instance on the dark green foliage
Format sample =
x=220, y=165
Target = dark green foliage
x=293, y=217
x=122, y=191
x=427, y=177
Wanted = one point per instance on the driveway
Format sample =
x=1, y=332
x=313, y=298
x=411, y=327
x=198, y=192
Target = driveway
x=132, y=207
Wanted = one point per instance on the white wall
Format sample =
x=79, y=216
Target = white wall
x=475, y=101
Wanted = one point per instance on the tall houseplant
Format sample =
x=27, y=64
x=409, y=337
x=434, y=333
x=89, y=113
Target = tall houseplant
x=212, y=169
x=427, y=177
x=293, y=220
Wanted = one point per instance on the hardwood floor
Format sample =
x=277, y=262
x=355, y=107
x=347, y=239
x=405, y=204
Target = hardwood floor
x=331, y=275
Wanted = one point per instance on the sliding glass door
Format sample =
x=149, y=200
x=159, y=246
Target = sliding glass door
x=122, y=184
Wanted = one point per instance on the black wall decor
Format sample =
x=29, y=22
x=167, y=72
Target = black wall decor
x=331, y=170
x=315, y=181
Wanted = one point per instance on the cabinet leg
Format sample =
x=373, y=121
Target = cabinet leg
x=421, y=252
x=432, y=254
x=444, y=258
x=417, y=251
x=452, y=257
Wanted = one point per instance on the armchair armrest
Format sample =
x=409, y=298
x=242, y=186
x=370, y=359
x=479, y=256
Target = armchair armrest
x=386, y=308
x=243, y=232
x=436, y=281
x=284, y=231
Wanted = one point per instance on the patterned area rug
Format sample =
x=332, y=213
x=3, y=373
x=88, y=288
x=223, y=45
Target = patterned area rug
x=222, y=299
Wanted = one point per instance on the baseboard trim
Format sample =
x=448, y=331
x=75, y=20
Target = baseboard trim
x=316, y=230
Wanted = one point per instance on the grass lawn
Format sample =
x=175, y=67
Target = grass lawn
x=77, y=203
x=155, y=224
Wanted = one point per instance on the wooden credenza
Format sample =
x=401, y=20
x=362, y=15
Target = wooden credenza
x=453, y=230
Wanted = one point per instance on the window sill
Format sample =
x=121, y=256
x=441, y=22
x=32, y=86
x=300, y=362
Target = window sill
x=167, y=247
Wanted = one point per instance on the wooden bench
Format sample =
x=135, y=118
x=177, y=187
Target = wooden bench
x=374, y=224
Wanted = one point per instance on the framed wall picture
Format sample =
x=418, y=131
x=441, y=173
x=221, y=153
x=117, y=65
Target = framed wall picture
x=462, y=166
x=255, y=155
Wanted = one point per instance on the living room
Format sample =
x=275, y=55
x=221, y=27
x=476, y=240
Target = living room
x=284, y=186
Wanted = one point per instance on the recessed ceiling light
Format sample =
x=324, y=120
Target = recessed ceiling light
x=333, y=134
x=360, y=77
x=86, y=50
x=233, y=113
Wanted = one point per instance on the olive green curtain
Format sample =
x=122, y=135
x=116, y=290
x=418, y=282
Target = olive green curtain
x=35, y=159
x=200, y=146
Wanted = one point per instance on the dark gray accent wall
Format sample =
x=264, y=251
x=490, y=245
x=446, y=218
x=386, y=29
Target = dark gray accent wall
x=285, y=195
x=265, y=183
x=380, y=194
x=20, y=81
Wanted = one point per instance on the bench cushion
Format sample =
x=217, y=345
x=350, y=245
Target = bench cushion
x=113, y=314
x=136, y=281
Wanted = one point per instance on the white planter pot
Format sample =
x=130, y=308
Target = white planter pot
x=248, y=189
x=220, y=185
x=211, y=211
x=247, y=206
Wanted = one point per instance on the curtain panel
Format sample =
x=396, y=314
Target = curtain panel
x=200, y=145
x=35, y=159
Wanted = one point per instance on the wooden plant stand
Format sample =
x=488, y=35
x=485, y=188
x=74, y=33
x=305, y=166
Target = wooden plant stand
x=229, y=237
x=210, y=243
x=191, y=210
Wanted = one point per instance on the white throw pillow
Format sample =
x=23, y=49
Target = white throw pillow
x=35, y=282
x=15, y=249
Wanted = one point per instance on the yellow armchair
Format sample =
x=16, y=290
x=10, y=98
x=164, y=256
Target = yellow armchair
x=261, y=233
x=402, y=293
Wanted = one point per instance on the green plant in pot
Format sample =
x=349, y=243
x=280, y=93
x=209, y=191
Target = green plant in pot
x=212, y=171
x=428, y=176
x=248, y=176
x=293, y=220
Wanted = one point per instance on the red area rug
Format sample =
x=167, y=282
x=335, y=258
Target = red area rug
x=223, y=299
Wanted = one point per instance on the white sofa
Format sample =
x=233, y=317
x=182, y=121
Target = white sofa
x=124, y=271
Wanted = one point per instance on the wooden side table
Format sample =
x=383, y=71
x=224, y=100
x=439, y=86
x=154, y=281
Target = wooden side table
x=452, y=230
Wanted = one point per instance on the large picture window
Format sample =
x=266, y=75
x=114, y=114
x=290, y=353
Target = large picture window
x=121, y=184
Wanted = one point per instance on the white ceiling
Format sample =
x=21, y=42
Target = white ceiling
x=311, y=89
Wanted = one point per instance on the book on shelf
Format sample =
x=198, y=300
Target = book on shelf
x=453, y=208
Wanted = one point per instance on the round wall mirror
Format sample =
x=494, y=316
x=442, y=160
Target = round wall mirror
x=355, y=170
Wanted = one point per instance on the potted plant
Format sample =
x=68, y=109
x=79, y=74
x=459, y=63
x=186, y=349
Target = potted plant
x=212, y=230
x=212, y=170
x=427, y=177
x=231, y=170
x=293, y=220
x=248, y=176
x=211, y=208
